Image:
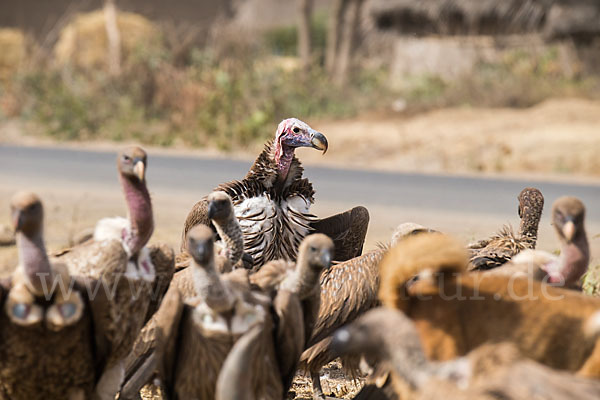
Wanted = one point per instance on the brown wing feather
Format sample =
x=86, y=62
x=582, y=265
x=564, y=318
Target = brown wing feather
x=498, y=250
x=271, y=274
x=289, y=335
x=154, y=351
x=163, y=259
x=348, y=289
x=347, y=230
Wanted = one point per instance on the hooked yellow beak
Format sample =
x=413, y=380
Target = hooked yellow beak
x=139, y=170
x=568, y=230
x=319, y=142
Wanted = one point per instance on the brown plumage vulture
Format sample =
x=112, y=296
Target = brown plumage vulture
x=348, y=290
x=47, y=347
x=490, y=372
x=272, y=203
x=568, y=214
x=501, y=247
x=186, y=342
x=128, y=272
x=289, y=284
x=456, y=311
x=230, y=248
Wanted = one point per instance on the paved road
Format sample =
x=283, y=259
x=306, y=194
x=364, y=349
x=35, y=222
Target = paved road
x=492, y=197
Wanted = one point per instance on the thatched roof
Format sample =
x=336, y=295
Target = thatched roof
x=553, y=18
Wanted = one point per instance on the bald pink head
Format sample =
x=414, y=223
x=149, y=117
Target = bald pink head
x=292, y=133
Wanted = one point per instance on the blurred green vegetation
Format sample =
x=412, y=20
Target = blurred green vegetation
x=234, y=94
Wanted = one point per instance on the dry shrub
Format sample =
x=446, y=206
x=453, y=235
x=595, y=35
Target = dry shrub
x=14, y=50
x=83, y=42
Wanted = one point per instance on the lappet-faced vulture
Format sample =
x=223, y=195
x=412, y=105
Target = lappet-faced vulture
x=272, y=202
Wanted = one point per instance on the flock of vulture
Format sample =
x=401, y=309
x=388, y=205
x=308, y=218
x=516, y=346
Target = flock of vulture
x=262, y=289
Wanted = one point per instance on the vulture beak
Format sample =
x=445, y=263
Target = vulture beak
x=212, y=210
x=200, y=252
x=326, y=259
x=319, y=141
x=568, y=230
x=17, y=220
x=139, y=169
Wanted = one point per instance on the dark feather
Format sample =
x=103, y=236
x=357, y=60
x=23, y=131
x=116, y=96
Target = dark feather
x=347, y=230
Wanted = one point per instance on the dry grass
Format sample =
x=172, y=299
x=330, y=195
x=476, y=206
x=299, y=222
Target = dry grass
x=83, y=42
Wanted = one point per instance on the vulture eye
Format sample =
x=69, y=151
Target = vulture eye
x=126, y=158
x=313, y=248
x=296, y=129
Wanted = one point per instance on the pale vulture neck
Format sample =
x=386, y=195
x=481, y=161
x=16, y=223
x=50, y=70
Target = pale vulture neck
x=308, y=279
x=574, y=258
x=140, y=213
x=35, y=263
x=210, y=288
x=231, y=234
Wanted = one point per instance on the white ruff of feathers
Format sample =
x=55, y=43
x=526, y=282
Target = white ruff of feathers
x=118, y=228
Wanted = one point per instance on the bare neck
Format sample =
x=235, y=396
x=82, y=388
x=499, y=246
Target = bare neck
x=231, y=233
x=140, y=213
x=284, y=161
x=33, y=258
x=575, y=258
x=308, y=279
x=210, y=288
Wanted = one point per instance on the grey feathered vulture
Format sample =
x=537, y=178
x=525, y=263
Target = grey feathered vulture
x=272, y=203
x=500, y=248
x=128, y=273
x=47, y=342
x=288, y=284
x=490, y=372
x=186, y=342
x=348, y=290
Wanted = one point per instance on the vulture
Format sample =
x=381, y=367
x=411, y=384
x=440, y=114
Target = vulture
x=128, y=272
x=186, y=342
x=500, y=248
x=230, y=249
x=47, y=347
x=456, y=311
x=568, y=215
x=348, y=289
x=489, y=372
x=272, y=203
x=296, y=297
x=239, y=367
